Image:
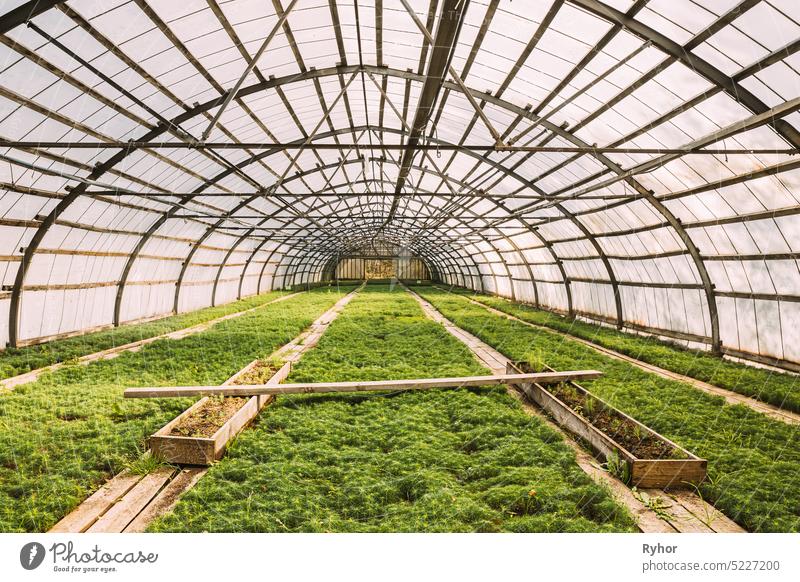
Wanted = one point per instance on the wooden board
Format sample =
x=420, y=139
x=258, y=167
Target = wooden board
x=380, y=385
x=706, y=513
x=668, y=473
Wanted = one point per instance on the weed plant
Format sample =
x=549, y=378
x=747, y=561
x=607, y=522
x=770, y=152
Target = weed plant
x=64, y=435
x=753, y=461
x=434, y=461
x=15, y=361
x=781, y=390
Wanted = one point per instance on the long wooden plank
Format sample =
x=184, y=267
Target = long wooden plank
x=678, y=516
x=379, y=385
x=706, y=513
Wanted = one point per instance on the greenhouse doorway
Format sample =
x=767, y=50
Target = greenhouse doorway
x=380, y=269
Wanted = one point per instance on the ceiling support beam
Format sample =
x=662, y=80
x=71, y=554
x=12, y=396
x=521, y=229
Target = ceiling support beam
x=426, y=147
x=691, y=60
x=249, y=69
x=453, y=73
x=450, y=20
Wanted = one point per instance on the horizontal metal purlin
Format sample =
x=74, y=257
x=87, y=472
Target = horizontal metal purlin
x=759, y=296
x=22, y=14
x=768, y=360
x=332, y=194
x=646, y=284
x=132, y=145
x=755, y=257
x=741, y=218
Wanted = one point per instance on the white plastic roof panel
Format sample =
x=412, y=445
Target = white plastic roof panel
x=122, y=197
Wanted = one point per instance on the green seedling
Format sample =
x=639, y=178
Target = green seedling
x=704, y=424
x=781, y=390
x=434, y=461
x=14, y=361
x=58, y=463
x=535, y=359
x=618, y=467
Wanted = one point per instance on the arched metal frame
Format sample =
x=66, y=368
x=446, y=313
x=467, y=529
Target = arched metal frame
x=444, y=261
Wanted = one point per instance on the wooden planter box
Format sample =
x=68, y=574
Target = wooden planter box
x=205, y=450
x=644, y=473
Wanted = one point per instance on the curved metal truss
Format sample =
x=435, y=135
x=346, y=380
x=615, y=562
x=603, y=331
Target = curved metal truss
x=634, y=167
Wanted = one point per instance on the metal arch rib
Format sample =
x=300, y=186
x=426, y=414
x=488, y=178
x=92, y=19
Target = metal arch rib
x=501, y=103
x=213, y=228
x=421, y=248
x=327, y=260
x=365, y=234
x=535, y=232
x=322, y=258
x=461, y=256
x=210, y=230
x=733, y=88
x=241, y=239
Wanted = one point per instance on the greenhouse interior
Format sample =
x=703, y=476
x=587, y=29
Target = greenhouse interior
x=400, y=266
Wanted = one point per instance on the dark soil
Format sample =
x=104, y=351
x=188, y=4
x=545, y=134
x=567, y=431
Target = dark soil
x=258, y=374
x=209, y=417
x=623, y=431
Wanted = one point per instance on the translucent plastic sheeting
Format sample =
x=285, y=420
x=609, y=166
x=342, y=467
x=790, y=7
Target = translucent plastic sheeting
x=112, y=209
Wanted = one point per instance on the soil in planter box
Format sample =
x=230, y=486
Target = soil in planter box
x=628, y=434
x=209, y=418
x=625, y=432
x=258, y=374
